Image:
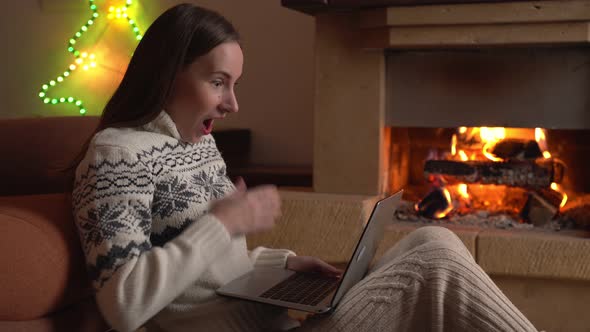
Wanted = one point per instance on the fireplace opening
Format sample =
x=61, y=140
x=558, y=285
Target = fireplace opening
x=492, y=176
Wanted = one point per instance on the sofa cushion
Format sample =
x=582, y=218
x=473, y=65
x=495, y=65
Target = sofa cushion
x=82, y=316
x=43, y=267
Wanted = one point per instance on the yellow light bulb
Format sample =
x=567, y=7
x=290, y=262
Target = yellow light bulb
x=72, y=67
x=93, y=64
x=85, y=67
x=78, y=61
x=84, y=54
x=92, y=56
x=111, y=8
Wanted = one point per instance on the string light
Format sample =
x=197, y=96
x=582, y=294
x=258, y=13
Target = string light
x=85, y=60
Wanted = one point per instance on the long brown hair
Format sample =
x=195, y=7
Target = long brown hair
x=173, y=41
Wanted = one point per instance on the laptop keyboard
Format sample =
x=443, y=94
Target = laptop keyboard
x=302, y=288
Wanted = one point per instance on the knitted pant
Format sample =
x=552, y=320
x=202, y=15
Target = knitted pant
x=427, y=282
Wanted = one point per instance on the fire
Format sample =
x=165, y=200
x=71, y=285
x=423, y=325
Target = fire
x=480, y=143
x=462, y=190
x=492, y=134
x=445, y=212
x=541, y=139
x=463, y=155
x=557, y=188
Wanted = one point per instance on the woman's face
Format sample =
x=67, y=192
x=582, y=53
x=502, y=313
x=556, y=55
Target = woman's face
x=204, y=91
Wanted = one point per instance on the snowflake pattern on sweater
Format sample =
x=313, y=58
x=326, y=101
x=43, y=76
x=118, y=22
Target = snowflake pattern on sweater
x=129, y=197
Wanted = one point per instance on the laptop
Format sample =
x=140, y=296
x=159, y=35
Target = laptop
x=313, y=292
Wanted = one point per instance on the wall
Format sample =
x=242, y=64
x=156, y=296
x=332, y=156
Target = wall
x=275, y=92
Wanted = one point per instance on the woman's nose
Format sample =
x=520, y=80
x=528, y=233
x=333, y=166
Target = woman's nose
x=231, y=102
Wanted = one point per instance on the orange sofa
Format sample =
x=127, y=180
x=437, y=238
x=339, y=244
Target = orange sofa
x=43, y=283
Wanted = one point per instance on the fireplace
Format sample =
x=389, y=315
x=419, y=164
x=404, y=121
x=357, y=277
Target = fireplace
x=495, y=136
x=402, y=88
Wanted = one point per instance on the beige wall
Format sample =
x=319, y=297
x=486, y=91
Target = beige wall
x=275, y=93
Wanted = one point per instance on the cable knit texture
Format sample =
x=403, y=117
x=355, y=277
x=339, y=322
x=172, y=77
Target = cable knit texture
x=141, y=199
x=427, y=282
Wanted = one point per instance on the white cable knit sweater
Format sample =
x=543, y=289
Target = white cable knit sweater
x=141, y=200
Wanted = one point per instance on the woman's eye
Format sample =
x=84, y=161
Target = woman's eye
x=217, y=84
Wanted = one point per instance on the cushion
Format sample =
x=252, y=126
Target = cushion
x=43, y=267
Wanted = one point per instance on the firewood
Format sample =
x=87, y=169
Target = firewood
x=538, y=211
x=432, y=204
x=526, y=173
x=517, y=149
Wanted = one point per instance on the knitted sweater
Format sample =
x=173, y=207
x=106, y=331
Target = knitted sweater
x=141, y=199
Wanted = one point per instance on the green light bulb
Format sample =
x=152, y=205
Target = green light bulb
x=138, y=37
x=41, y=94
x=70, y=99
x=131, y=21
x=52, y=82
x=62, y=99
x=66, y=73
x=77, y=53
x=60, y=79
x=90, y=22
x=78, y=102
x=54, y=101
x=72, y=41
x=93, y=7
x=84, y=28
x=46, y=100
x=45, y=87
x=82, y=111
x=95, y=15
x=70, y=49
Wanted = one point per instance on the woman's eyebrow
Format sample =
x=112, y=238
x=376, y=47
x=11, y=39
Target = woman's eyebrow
x=222, y=72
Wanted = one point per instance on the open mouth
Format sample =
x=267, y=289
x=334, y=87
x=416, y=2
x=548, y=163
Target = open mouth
x=207, y=126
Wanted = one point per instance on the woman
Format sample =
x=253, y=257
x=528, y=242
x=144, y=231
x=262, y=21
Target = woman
x=162, y=226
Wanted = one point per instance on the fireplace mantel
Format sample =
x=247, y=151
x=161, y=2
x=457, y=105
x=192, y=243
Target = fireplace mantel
x=387, y=25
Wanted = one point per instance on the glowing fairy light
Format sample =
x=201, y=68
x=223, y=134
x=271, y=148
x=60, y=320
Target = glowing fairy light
x=84, y=60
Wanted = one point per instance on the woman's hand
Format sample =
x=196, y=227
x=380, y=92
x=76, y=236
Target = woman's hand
x=312, y=264
x=248, y=211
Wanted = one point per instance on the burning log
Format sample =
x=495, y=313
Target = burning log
x=526, y=173
x=539, y=211
x=517, y=149
x=434, y=205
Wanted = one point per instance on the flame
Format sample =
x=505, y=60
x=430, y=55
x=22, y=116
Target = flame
x=454, y=144
x=558, y=188
x=488, y=154
x=462, y=190
x=541, y=139
x=449, y=208
x=463, y=155
x=492, y=134
x=462, y=130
